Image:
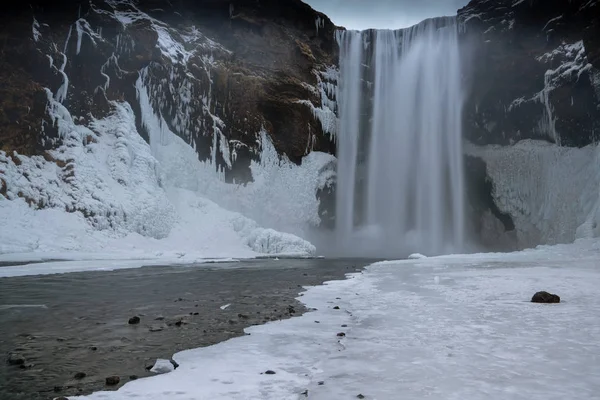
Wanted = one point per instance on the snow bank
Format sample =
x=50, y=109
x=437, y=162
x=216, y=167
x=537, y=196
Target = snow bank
x=551, y=192
x=103, y=192
x=456, y=327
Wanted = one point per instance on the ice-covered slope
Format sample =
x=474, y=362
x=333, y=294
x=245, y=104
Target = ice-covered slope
x=113, y=197
x=131, y=119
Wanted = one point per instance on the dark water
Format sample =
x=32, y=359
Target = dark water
x=78, y=322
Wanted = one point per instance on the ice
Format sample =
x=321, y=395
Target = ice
x=416, y=256
x=162, y=367
x=551, y=192
x=454, y=327
x=107, y=194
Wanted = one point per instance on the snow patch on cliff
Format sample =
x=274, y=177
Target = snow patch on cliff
x=551, y=192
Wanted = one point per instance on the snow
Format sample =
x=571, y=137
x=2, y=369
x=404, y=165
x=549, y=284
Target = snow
x=35, y=29
x=162, y=367
x=107, y=194
x=453, y=327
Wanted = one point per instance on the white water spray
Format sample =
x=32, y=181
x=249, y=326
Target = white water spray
x=400, y=180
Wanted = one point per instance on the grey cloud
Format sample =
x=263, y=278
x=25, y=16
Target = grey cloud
x=364, y=14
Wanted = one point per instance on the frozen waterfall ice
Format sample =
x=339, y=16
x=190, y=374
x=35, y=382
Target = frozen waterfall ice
x=400, y=178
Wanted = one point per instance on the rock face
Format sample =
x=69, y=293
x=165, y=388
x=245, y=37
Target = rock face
x=535, y=71
x=217, y=72
x=532, y=72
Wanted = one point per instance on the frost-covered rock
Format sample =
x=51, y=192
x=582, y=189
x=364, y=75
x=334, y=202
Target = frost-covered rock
x=162, y=367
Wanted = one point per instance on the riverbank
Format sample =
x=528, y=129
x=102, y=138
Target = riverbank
x=68, y=324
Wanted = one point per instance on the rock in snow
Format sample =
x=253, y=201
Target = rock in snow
x=545, y=297
x=163, y=366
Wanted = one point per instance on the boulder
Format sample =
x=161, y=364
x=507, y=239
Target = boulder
x=545, y=297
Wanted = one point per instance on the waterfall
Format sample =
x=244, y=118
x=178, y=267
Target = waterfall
x=400, y=182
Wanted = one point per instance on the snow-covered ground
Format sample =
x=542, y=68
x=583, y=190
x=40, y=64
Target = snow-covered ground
x=452, y=327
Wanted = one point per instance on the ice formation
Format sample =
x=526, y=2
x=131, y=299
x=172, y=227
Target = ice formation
x=551, y=192
x=106, y=190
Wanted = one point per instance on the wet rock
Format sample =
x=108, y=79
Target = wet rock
x=26, y=366
x=58, y=388
x=93, y=348
x=242, y=316
x=178, y=320
x=270, y=372
x=134, y=320
x=112, y=380
x=80, y=375
x=156, y=328
x=15, y=359
x=545, y=297
x=133, y=377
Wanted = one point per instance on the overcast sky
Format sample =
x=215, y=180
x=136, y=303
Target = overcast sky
x=384, y=14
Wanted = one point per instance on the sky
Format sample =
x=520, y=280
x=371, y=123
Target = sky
x=384, y=14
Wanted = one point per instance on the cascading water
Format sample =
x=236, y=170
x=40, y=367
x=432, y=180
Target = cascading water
x=400, y=177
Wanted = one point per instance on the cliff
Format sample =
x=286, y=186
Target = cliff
x=533, y=71
x=219, y=72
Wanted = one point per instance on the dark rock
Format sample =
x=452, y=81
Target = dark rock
x=344, y=326
x=148, y=367
x=60, y=398
x=520, y=49
x=321, y=383
x=58, y=388
x=242, y=316
x=341, y=334
x=15, y=359
x=305, y=393
x=80, y=375
x=133, y=377
x=545, y=297
x=112, y=380
x=360, y=396
x=26, y=366
x=317, y=322
x=93, y=348
x=175, y=365
x=291, y=310
x=160, y=318
x=270, y=372
x=336, y=308
x=134, y=320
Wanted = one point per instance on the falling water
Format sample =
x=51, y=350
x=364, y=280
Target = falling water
x=400, y=175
